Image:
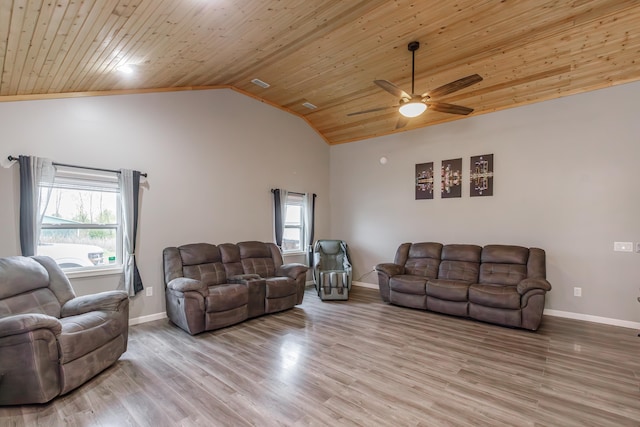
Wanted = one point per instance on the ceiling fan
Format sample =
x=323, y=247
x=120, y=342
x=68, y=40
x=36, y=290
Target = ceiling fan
x=414, y=105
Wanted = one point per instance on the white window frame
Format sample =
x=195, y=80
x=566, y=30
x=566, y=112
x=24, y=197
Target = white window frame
x=296, y=199
x=90, y=180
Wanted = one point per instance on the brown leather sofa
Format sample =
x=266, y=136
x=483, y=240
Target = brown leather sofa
x=209, y=287
x=51, y=341
x=500, y=284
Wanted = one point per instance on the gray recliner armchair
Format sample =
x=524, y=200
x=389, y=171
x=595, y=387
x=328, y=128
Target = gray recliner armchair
x=332, y=273
x=51, y=341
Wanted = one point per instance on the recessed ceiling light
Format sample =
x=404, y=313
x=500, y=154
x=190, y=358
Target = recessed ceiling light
x=309, y=105
x=125, y=69
x=260, y=83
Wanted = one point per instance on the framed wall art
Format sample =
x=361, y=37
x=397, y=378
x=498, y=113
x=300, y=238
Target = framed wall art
x=424, y=181
x=451, y=178
x=481, y=176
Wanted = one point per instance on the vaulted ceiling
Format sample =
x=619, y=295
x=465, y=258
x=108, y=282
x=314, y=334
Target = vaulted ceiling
x=325, y=52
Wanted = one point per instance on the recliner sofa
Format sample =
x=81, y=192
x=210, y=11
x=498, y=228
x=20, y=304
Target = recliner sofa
x=501, y=284
x=52, y=341
x=213, y=286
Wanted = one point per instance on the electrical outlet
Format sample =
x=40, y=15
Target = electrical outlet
x=149, y=291
x=577, y=292
x=374, y=267
x=623, y=246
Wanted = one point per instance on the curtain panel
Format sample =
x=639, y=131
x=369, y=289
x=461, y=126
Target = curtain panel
x=129, y=182
x=309, y=201
x=280, y=213
x=36, y=179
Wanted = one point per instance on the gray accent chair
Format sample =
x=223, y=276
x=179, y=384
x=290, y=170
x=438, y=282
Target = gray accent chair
x=332, y=272
x=52, y=341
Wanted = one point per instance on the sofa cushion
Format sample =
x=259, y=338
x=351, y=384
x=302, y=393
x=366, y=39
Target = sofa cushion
x=86, y=332
x=408, y=284
x=210, y=274
x=505, y=254
x=264, y=267
x=41, y=301
x=460, y=262
x=199, y=253
x=450, y=290
x=279, y=287
x=497, y=296
x=226, y=297
x=502, y=274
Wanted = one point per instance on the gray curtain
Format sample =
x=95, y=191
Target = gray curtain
x=309, y=224
x=36, y=179
x=280, y=213
x=129, y=183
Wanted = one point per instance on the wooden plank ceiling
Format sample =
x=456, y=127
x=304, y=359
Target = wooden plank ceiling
x=327, y=52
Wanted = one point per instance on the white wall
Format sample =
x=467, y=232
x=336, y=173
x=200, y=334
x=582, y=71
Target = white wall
x=566, y=181
x=212, y=158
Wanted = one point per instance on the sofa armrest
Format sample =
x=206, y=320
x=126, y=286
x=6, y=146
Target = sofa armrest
x=184, y=284
x=22, y=323
x=292, y=270
x=390, y=269
x=528, y=284
x=109, y=301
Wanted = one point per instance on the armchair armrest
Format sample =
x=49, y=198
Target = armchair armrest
x=390, y=269
x=21, y=323
x=109, y=300
x=292, y=270
x=528, y=284
x=184, y=284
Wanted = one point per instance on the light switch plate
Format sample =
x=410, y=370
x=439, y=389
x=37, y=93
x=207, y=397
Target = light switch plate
x=623, y=246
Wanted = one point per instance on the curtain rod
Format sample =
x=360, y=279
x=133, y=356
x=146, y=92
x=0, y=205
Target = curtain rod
x=273, y=190
x=11, y=158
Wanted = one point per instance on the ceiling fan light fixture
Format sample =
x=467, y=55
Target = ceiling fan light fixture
x=412, y=109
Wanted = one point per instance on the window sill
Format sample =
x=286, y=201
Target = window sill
x=294, y=253
x=76, y=273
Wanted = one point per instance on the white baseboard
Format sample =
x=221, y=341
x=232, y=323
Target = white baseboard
x=145, y=319
x=557, y=313
x=595, y=319
x=548, y=312
x=364, y=285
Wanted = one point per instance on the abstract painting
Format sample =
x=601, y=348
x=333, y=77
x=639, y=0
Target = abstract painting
x=424, y=181
x=481, y=176
x=451, y=178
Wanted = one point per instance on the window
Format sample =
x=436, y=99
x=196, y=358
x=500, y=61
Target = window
x=293, y=237
x=81, y=226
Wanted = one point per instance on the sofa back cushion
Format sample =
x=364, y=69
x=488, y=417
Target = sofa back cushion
x=231, y=259
x=460, y=262
x=503, y=264
x=24, y=288
x=256, y=258
x=202, y=261
x=423, y=259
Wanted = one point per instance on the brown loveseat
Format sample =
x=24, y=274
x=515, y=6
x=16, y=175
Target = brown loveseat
x=499, y=284
x=209, y=287
x=51, y=341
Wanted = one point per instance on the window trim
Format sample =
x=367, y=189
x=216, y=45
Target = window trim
x=299, y=201
x=90, y=180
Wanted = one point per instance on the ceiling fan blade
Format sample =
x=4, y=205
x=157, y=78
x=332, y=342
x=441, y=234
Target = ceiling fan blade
x=449, y=108
x=402, y=122
x=392, y=89
x=454, y=86
x=371, y=110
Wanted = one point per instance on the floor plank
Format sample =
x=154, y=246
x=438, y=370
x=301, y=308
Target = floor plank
x=359, y=363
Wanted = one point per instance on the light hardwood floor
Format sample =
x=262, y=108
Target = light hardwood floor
x=360, y=362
